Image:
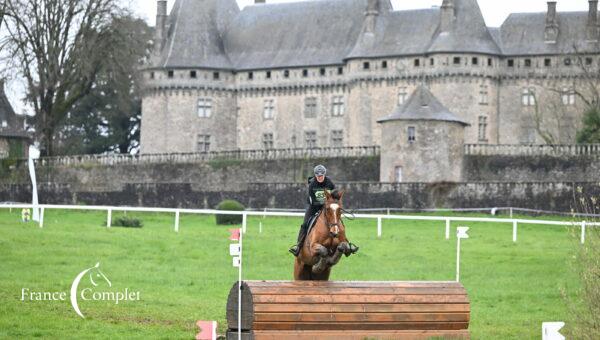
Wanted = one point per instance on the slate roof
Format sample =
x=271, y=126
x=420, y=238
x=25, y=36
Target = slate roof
x=15, y=123
x=468, y=32
x=523, y=34
x=216, y=34
x=422, y=105
x=295, y=34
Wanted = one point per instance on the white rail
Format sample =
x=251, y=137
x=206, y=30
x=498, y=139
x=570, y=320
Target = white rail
x=379, y=217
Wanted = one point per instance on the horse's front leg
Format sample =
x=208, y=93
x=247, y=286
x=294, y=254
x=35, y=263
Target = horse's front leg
x=320, y=252
x=342, y=248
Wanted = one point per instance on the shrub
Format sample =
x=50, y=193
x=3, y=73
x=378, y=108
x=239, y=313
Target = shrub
x=127, y=222
x=229, y=219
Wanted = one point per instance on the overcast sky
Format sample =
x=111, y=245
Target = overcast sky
x=494, y=11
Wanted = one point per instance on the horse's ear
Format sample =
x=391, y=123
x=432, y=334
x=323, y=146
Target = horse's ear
x=341, y=194
x=327, y=195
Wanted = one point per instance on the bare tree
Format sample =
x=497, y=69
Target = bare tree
x=58, y=47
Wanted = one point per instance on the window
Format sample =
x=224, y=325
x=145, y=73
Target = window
x=568, y=96
x=250, y=75
x=411, y=134
x=527, y=62
x=337, y=138
x=482, y=129
x=322, y=72
x=305, y=73
x=203, y=143
x=384, y=64
x=366, y=65
x=310, y=139
x=431, y=61
x=170, y=74
x=4, y=123
x=216, y=75
x=193, y=74
x=337, y=106
x=588, y=61
x=398, y=174
x=547, y=62
x=286, y=73
x=528, y=97
x=268, y=74
x=152, y=75
x=268, y=141
x=475, y=61
x=204, y=107
x=402, y=95
x=490, y=62
x=511, y=63
x=310, y=107
x=417, y=62
x=269, y=109
x=567, y=61
x=340, y=70
x=456, y=60
x=483, y=94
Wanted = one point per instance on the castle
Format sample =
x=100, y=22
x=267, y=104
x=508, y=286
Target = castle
x=322, y=73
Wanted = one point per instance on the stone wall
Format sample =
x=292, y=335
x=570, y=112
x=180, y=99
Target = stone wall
x=533, y=195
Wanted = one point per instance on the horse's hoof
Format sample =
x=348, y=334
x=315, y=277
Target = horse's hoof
x=317, y=270
x=343, y=247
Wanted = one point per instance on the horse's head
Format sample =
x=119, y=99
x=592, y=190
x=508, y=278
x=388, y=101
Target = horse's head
x=333, y=211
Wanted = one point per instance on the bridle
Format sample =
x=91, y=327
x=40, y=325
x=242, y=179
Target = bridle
x=332, y=225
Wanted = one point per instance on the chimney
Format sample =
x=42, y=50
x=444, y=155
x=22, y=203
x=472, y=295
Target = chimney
x=161, y=20
x=592, y=24
x=448, y=15
x=371, y=16
x=551, y=32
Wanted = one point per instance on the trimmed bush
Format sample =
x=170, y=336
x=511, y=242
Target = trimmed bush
x=229, y=219
x=127, y=222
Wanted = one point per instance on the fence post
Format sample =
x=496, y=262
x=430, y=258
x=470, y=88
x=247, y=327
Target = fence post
x=244, y=218
x=176, y=221
x=447, y=229
x=511, y=212
x=379, y=231
x=515, y=231
x=583, y=232
x=42, y=217
x=109, y=218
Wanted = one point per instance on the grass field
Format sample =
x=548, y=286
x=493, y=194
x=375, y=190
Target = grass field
x=186, y=277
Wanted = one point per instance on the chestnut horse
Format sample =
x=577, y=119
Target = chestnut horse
x=325, y=244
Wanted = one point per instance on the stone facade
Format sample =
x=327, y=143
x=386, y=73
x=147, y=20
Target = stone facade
x=282, y=98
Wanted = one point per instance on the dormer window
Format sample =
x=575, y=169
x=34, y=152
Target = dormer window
x=250, y=75
x=193, y=74
x=511, y=63
x=305, y=73
x=456, y=60
x=417, y=62
x=340, y=70
x=547, y=62
x=216, y=75
x=475, y=61
x=366, y=65
x=384, y=64
x=268, y=75
x=170, y=74
x=322, y=72
x=286, y=73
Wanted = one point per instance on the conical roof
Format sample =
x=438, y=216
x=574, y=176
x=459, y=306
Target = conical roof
x=195, y=33
x=468, y=32
x=422, y=105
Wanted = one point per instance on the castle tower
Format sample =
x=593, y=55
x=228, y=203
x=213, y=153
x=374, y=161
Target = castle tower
x=422, y=141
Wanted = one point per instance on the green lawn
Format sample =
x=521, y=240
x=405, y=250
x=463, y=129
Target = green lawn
x=186, y=277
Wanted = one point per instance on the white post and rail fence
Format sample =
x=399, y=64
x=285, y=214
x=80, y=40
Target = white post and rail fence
x=378, y=217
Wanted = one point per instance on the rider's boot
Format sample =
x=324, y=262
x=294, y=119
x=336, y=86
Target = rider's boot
x=296, y=248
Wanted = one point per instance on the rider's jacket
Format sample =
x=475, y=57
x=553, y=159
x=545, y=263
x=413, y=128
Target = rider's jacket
x=316, y=190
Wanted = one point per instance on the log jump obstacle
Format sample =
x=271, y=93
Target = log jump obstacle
x=349, y=310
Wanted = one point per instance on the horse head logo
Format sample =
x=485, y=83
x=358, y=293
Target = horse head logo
x=96, y=275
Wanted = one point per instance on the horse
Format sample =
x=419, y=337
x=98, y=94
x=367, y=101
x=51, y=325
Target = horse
x=325, y=244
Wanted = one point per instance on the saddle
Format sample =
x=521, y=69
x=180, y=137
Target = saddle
x=311, y=221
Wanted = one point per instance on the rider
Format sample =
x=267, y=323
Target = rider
x=316, y=198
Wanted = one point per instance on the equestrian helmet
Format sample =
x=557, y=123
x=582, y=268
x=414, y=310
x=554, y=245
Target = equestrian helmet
x=320, y=170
